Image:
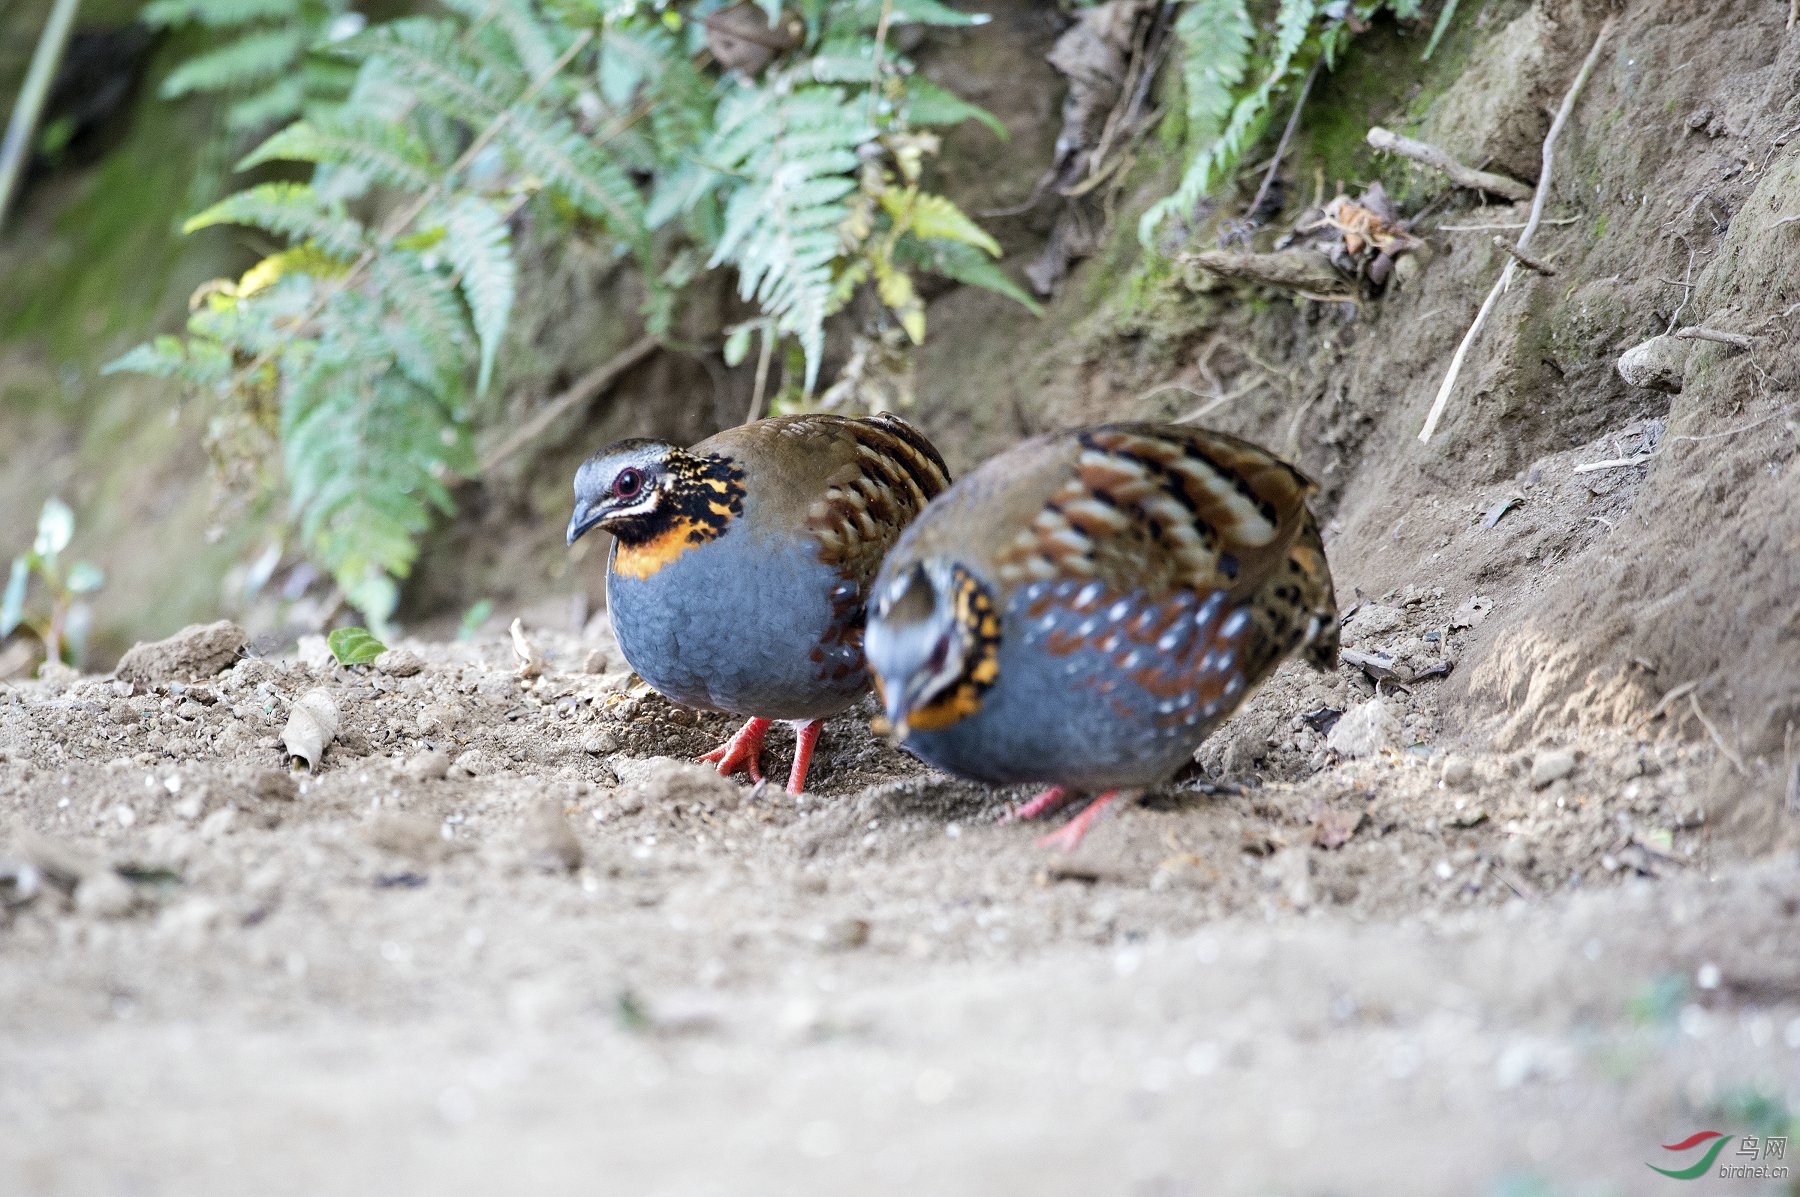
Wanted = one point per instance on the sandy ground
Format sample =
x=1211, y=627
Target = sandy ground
x=502, y=939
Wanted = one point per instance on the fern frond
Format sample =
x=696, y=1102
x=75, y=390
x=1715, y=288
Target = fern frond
x=478, y=243
x=965, y=264
x=427, y=56
x=365, y=451
x=281, y=100
x=578, y=170
x=530, y=42
x=935, y=218
x=1220, y=148
x=928, y=104
x=390, y=152
x=255, y=56
x=214, y=14
x=796, y=153
x=423, y=329
x=866, y=14
x=291, y=209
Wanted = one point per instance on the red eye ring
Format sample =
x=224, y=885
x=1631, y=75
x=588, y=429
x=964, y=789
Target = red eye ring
x=628, y=484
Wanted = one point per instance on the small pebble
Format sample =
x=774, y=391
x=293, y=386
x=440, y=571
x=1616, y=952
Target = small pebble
x=842, y=935
x=1551, y=766
x=430, y=765
x=601, y=743
x=399, y=662
x=472, y=763
x=594, y=662
x=548, y=841
x=1458, y=772
x=105, y=895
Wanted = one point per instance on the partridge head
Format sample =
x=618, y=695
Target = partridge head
x=740, y=566
x=1085, y=608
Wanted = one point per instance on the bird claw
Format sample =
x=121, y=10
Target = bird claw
x=1036, y=807
x=742, y=753
x=1068, y=837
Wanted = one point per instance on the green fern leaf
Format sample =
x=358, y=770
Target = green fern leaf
x=259, y=55
x=165, y=357
x=215, y=14
x=795, y=153
x=427, y=56
x=579, y=171
x=934, y=218
x=423, y=328
x=281, y=100
x=390, y=152
x=928, y=104
x=291, y=209
x=866, y=14
x=964, y=264
x=479, y=245
x=1220, y=148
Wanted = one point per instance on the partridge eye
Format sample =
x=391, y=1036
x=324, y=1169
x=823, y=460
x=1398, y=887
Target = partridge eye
x=628, y=484
x=939, y=652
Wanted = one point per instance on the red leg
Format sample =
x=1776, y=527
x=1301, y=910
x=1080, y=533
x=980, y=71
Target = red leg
x=805, y=736
x=743, y=752
x=1039, y=806
x=1070, y=834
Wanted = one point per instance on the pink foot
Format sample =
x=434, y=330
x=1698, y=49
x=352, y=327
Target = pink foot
x=743, y=752
x=1039, y=806
x=805, y=736
x=1069, y=835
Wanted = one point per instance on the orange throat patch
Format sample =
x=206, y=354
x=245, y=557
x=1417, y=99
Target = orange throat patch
x=980, y=625
x=645, y=558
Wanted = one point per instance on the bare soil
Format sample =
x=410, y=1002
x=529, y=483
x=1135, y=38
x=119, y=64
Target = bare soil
x=1500, y=912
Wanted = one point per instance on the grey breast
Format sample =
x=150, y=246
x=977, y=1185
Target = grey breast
x=738, y=624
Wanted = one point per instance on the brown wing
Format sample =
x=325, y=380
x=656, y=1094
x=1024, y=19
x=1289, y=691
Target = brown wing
x=891, y=472
x=1161, y=507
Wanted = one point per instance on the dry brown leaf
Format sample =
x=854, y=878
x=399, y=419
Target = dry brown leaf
x=312, y=724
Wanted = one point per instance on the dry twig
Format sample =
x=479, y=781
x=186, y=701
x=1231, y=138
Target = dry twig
x=1458, y=173
x=1737, y=761
x=584, y=390
x=1522, y=258
x=1696, y=333
x=1531, y=225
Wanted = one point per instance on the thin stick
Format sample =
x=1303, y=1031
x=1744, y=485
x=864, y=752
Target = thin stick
x=1615, y=463
x=1531, y=224
x=584, y=390
x=1287, y=135
x=762, y=374
x=1506, y=226
x=16, y=150
x=1695, y=333
x=1522, y=258
x=1439, y=160
x=1736, y=760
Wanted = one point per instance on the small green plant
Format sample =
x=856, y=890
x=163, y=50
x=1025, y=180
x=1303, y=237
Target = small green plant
x=354, y=646
x=1234, y=73
x=63, y=628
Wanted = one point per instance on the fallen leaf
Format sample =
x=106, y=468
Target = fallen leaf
x=1472, y=612
x=1379, y=666
x=531, y=659
x=312, y=723
x=1501, y=508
